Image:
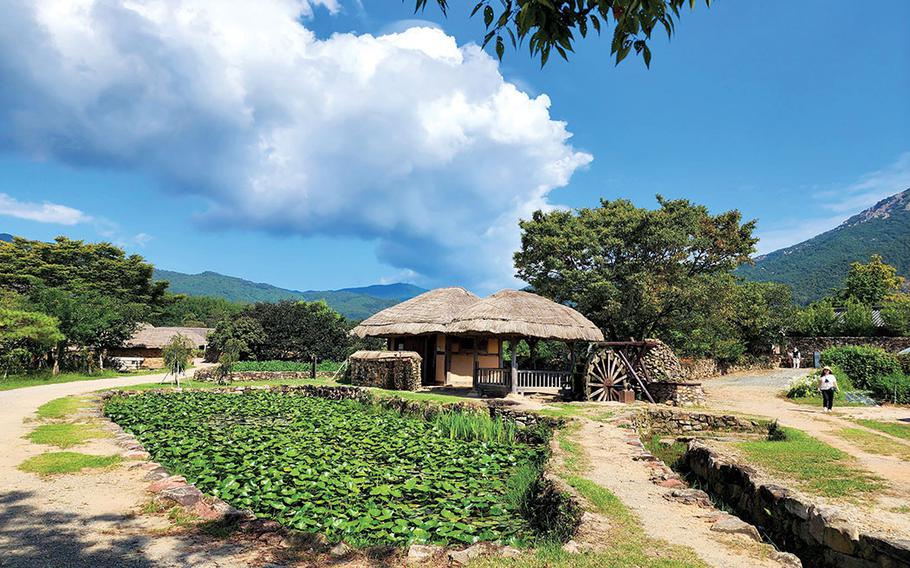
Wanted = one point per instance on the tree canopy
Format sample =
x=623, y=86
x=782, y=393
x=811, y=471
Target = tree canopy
x=632, y=270
x=549, y=25
x=872, y=282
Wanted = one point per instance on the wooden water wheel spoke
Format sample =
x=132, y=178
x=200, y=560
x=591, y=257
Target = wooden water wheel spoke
x=606, y=376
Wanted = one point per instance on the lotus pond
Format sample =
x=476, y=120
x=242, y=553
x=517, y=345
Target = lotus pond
x=352, y=471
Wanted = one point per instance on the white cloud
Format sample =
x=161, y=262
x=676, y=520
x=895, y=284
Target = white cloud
x=837, y=205
x=142, y=239
x=404, y=139
x=41, y=212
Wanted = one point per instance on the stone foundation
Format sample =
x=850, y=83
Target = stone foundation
x=395, y=370
x=677, y=393
x=695, y=369
x=679, y=423
x=820, y=536
x=809, y=345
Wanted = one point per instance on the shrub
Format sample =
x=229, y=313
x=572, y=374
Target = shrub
x=553, y=514
x=856, y=319
x=904, y=361
x=894, y=387
x=861, y=363
x=284, y=366
x=776, y=433
x=807, y=387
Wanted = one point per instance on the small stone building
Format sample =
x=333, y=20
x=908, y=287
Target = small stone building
x=396, y=370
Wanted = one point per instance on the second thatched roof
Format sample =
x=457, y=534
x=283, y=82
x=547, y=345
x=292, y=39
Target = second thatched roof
x=511, y=312
x=429, y=312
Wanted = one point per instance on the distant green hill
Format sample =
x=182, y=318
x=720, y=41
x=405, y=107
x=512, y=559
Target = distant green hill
x=353, y=303
x=814, y=267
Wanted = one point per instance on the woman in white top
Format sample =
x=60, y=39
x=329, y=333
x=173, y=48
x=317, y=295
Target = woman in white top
x=827, y=383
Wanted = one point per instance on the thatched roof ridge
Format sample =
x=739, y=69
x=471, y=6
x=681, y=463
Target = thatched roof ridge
x=512, y=312
x=151, y=337
x=429, y=312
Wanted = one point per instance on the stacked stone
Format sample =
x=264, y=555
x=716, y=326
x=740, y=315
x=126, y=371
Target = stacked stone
x=665, y=421
x=401, y=372
x=661, y=362
x=820, y=536
x=241, y=376
x=677, y=393
x=808, y=345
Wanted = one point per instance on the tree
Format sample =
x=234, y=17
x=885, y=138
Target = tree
x=230, y=354
x=895, y=314
x=856, y=319
x=296, y=330
x=194, y=311
x=817, y=320
x=872, y=282
x=177, y=354
x=20, y=332
x=633, y=270
x=553, y=24
x=246, y=330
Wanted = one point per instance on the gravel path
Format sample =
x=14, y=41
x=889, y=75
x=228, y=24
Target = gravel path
x=87, y=519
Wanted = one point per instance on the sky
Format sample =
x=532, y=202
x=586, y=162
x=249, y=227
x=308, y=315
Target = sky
x=317, y=144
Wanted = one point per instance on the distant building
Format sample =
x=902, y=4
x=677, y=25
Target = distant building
x=144, y=349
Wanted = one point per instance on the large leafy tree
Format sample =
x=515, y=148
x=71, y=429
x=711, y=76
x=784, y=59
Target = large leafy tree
x=632, y=270
x=555, y=25
x=24, y=334
x=295, y=330
x=872, y=282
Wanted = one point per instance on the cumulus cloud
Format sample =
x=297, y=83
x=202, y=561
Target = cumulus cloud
x=404, y=139
x=41, y=212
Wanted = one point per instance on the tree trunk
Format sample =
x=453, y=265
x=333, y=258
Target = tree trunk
x=58, y=352
x=101, y=360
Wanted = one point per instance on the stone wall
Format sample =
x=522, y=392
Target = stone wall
x=680, y=423
x=677, y=393
x=698, y=369
x=820, y=536
x=808, y=345
x=395, y=370
x=208, y=374
x=661, y=362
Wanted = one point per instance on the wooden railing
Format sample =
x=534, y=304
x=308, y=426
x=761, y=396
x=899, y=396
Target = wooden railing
x=528, y=381
x=543, y=381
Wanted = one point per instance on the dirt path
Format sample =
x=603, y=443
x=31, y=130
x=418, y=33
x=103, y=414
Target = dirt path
x=612, y=466
x=757, y=394
x=86, y=519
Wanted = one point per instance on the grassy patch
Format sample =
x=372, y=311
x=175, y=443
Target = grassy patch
x=594, y=412
x=62, y=407
x=66, y=435
x=815, y=466
x=22, y=381
x=875, y=443
x=667, y=453
x=194, y=384
x=66, y=462
x=896, y=429
x=817, y=401
x=408, y=395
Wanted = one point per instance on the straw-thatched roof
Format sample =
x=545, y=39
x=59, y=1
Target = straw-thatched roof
x=151, y=337
x=510, y=312
x=429, y=312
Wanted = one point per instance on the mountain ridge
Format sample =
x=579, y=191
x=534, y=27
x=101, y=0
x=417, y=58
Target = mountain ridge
x=354, y=303
x=814, y=267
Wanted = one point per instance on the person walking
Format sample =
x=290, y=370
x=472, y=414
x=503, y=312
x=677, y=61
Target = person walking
x=796, y=357
x=827, y=383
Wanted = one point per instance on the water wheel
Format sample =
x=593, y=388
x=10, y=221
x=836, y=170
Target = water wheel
x=606, y=376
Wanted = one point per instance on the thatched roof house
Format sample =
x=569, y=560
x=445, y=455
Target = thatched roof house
x=460, y=336
x=522, y=314
x=429, y=312
x=144, y=348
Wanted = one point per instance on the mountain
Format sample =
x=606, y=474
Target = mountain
x=6, y=238
x=814, y=267
x=353, y=303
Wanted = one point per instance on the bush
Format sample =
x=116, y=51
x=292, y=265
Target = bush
x=807, y=387
x=904, y=361
x=861, y=363
x=776, y=433
x=894, y=387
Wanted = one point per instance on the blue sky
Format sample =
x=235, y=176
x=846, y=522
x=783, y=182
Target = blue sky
x=241, y=143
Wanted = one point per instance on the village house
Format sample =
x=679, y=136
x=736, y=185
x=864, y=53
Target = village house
x=144, y=349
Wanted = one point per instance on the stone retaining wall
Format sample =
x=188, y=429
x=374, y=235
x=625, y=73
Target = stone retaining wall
x=696, y=369
x=677, y=393
x=808, y=345
x=208, y=374
x=674, y=422
x=395, y=370
x=820, y=536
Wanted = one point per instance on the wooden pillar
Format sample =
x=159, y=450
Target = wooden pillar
x=474, y=372
x=513, y=346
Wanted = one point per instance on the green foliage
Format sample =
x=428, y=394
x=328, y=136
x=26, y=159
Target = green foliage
x=861, y=363
x=335, y=467
x=893, y=387
x=807, y=387
x=177, y=354
x=61, y=407
x=775, y=432
x=813, y=267
x=53, y=463
x=856, y=319
x=872, y=282
x=470, y=426
x=896, y=429
x=24, y=335
x=230, y=353
x=244, y=329
x=895, y=312
x=285, y=366
x=194, y=311
x=555, y=24
x=815, y=466
x=903, y=360
x=670, y=453
x=633, y=270
x=817, y=320
x=298, y=330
